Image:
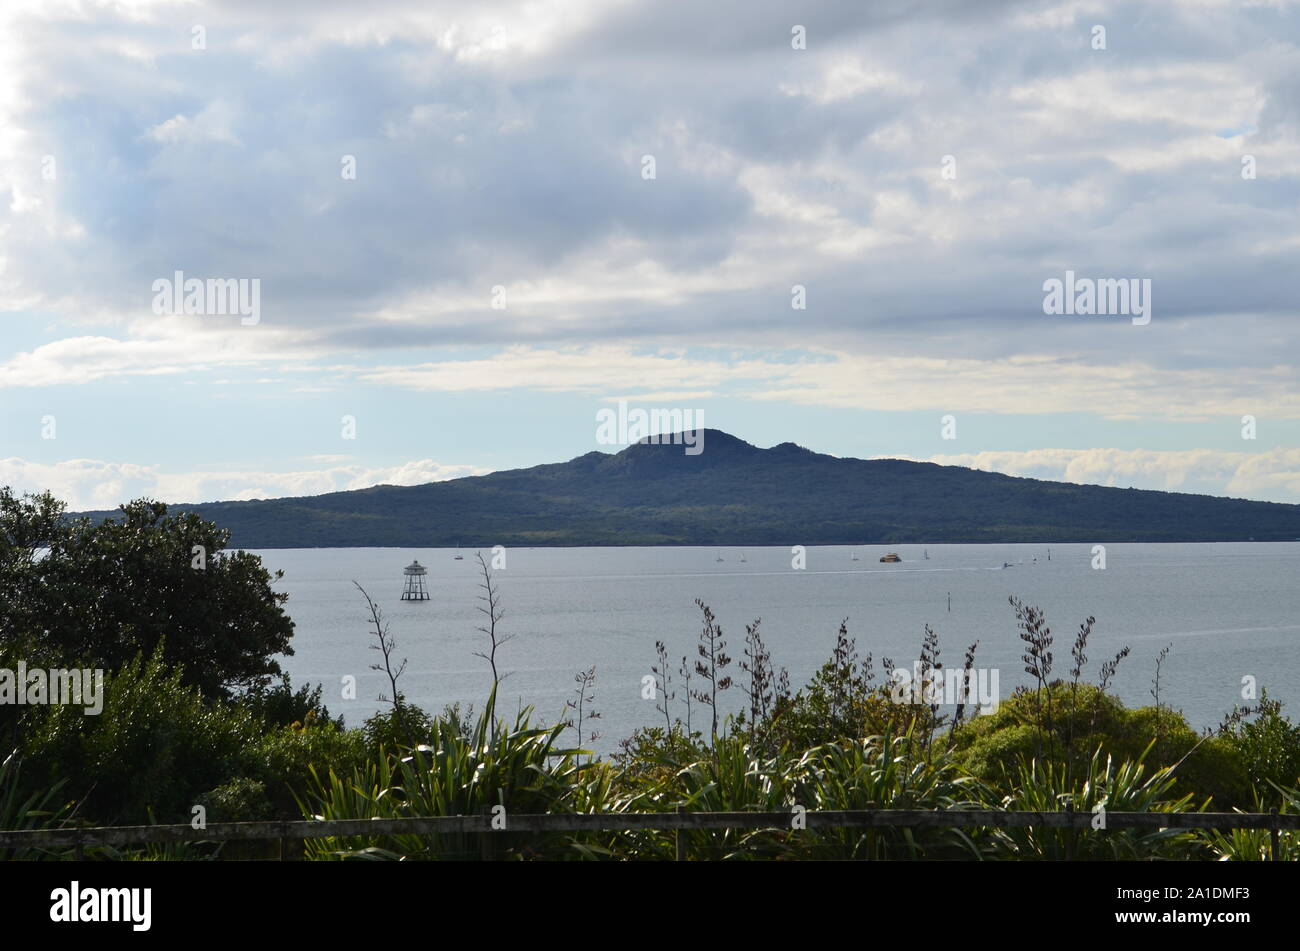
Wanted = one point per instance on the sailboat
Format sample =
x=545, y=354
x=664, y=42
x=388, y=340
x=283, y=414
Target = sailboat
x=719, y=558
x=855, y=557
x=927, y=554
x=458, y=556
x=742, y=558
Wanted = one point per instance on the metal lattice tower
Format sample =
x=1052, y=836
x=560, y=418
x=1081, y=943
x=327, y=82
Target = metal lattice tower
x=415, y=589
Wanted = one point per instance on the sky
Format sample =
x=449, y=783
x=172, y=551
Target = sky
x=467, y=227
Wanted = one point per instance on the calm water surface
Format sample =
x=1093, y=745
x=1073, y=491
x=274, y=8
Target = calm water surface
x=1229, y=610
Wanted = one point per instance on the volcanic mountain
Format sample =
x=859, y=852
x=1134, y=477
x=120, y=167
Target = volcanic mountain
x=734, y=493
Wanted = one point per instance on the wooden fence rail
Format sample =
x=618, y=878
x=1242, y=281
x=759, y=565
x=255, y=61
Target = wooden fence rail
x=81, y=838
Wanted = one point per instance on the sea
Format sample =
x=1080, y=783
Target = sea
x=1229, y=615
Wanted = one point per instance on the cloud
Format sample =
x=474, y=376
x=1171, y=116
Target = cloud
x=809, y=377
x=863, y=381
x=212, y=124
x=502, y=145
x=1268, y=475
x=91, y=484
x=172, y=345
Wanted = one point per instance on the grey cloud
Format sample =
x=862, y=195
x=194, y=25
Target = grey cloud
x=473, y=174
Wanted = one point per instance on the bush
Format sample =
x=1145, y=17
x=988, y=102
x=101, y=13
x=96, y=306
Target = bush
x=651, y=756
x=399, y=729
x=1086, y=719
x=155, y=745
x=284, y=760
x=240, y=800
x=843, y=701
x=281, y=705
x=1268, y=749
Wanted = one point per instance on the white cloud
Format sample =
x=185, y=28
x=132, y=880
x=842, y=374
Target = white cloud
x=88, y=484
x=167, y=345
x=1031, y=384
x=1267, y=475
x=845, y=78
x=213, y=124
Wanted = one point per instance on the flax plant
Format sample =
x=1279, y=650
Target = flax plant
x=517, y=766
x=883, y=772
x=1045, y=786
x=41, y=809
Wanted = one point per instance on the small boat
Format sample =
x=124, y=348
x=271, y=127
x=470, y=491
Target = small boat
x=927, y=554
x=742, y=558
x=891, y=557
x=719, y=558
x=1007, y=564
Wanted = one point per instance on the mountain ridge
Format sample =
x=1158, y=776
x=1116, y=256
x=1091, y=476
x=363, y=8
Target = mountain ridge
x=733, y=492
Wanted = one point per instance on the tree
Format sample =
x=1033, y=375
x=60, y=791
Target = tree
x=100, y=593
x=26, y=525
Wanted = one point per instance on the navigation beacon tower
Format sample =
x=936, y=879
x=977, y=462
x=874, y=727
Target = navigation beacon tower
x=415, y=589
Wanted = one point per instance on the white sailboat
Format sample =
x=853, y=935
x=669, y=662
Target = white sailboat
x=719, y=558
x=855, y=557
x=742, y=558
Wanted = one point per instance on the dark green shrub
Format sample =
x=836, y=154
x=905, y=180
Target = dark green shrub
x=283, y=760
x=156, y=744
x=281, y=705
x=1268, y=749
x=398, y=728
x=240, y=800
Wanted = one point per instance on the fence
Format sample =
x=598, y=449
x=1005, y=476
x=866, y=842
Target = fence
x=679, y=821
